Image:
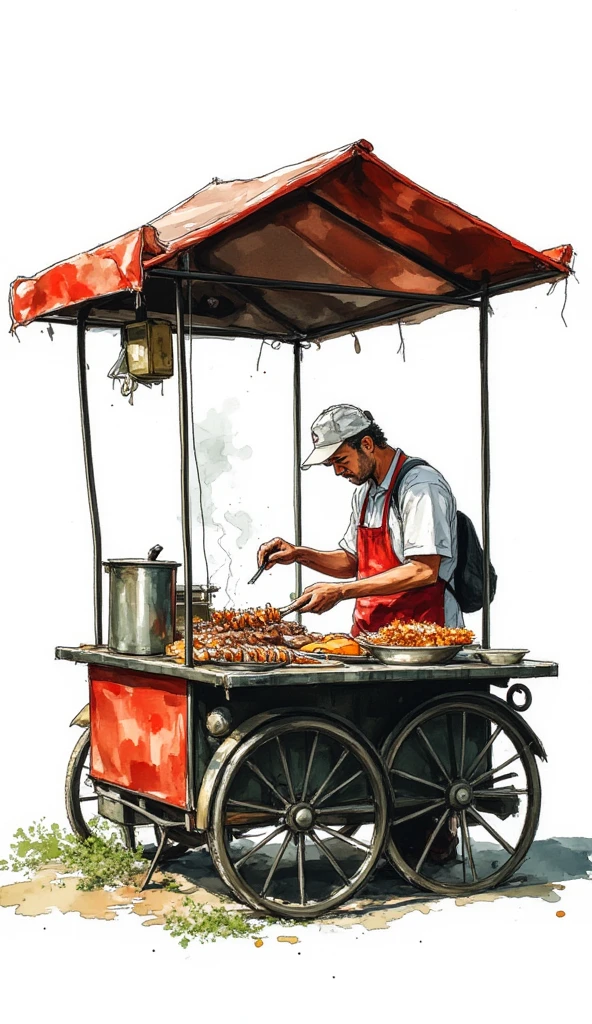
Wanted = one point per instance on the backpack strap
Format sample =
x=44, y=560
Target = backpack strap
x=407, y=466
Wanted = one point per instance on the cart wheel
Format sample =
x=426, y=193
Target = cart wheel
x=288, y=788
x=82, y=803
x=81, y=799
x=455, y=830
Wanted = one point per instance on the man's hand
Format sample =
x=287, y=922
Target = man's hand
x=277, y=552
x=319, y=597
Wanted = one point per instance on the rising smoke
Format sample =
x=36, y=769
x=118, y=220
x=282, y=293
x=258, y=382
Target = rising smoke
x=216, y=453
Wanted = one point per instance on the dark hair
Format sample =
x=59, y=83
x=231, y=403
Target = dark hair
x=372, y=431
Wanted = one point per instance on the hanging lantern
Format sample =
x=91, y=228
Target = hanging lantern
x=149, y=350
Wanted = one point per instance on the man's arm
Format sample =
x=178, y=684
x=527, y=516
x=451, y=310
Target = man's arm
x=417, y=572
x=339, y=564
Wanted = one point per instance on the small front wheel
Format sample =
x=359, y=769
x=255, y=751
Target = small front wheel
x=81, y=799
x=82, y=806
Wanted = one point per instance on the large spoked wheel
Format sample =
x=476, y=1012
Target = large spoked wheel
x=466, y=795
x=283, y=797
x=82, y=807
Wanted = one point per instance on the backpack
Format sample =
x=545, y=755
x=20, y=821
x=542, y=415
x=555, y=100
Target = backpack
x=468, y=575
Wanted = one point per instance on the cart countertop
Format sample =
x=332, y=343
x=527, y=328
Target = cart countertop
x=296, y=676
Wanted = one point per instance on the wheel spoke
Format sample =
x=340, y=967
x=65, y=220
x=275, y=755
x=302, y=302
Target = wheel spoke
x=334, y=769
x=430, y=841
x=254, y=849
x=330, y=857
x=129, y=836
x=483, y=752
x=504, y=778
x=273, y=811
x=257, y=771
x=489, y=828
x=415, y=778
x=342, y=785
x=345, y=839
x=286, y=769
x=492, y=771
x=499, y=792
x=351, y=809
x=431, y=750
x=276, y=861
x=301, y=884
x=463, y=744
x=451, y=748
x=417, y=814
x=466, y=845
x=309, y=767
x=85, y=799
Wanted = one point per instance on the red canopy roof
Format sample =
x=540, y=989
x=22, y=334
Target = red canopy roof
x=342, y=218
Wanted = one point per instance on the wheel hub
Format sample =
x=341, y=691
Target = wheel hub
x=460, y=794
x=300, y=817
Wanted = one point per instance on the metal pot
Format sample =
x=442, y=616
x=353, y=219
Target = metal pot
x=142, y=598
x=202, y=604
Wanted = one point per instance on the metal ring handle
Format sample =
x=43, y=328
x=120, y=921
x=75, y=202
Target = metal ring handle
x=519, y=688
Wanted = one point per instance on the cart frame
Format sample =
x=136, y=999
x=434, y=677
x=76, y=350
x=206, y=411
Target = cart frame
x=449, y=710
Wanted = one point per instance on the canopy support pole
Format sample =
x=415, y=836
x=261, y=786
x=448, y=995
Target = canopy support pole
x=297, y=419
x=90, y=477
x=185, y=481
x=485, y=458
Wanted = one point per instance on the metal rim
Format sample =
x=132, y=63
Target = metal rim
x=310, y=761
x=430, y=648
x=398, y=654
x=501, y=656
x=244, y=666
x=79, y=790
x=453, y=788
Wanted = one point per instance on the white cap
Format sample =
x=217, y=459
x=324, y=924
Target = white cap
x=334, y=426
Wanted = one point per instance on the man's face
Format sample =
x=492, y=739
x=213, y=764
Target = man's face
x=353, y=465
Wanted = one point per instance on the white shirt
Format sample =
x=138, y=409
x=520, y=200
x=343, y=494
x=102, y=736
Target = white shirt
x=426, y=524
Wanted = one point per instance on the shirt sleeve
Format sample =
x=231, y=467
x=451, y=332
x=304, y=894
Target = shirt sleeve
x=427, y=509
x=349, y=541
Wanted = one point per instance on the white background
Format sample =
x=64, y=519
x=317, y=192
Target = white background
x=113, y=113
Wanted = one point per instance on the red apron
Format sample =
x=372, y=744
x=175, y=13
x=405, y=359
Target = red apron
x=376, y=555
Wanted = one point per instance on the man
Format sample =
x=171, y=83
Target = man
x=400, y=554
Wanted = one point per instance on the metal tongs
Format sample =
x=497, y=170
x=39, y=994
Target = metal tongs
x=259, y=570
x=292, y=607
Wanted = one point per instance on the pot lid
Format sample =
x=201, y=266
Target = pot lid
x=142, y=561
x=199, y=587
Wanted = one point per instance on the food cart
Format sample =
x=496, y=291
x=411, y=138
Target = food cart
x=299, y=779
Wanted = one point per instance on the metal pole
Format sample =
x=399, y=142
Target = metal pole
x=90, y=477
x=278, y=284
x=485, y=458
x=185, y=496
x=297, y=419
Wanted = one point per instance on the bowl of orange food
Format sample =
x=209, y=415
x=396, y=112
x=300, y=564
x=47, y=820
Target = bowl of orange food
x=416, y=643
x=336, y=645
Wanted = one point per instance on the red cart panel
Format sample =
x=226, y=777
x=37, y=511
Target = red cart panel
x=138, y=733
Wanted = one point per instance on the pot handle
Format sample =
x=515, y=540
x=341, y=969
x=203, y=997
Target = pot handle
x=154, y=553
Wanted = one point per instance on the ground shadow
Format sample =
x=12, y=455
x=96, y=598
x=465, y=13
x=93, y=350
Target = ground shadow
x=548, y=861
